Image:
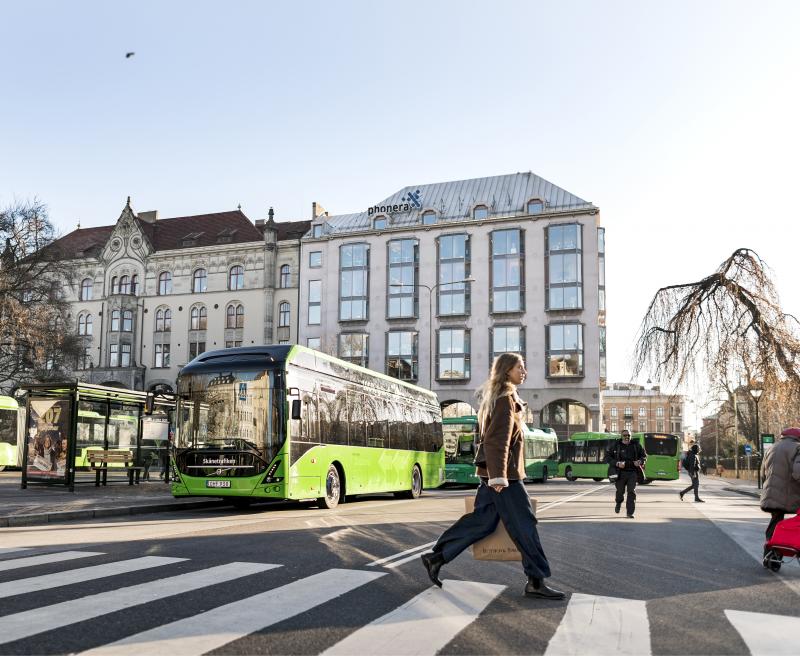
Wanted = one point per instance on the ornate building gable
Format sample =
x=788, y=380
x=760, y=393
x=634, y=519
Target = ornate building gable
x=127, y=239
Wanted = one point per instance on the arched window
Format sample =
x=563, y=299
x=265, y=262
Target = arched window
x=199, y=280
x=115, y=285
x=429, y=217
x=115, y=321
x=89, y=324
x=236, y=277
x=199, y=318
x=86, y=289
x=134, y=284
x=124, y=285
x=480, y=212
x=535, y=206
x=286, y=276
x=84, y=324
x=234, y=316
x=164, y=283
x=163, y=320
x=284, y=315
x=127, y=321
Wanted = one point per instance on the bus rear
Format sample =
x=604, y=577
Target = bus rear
x=541, y=454
x=460, y=438
x=663, y=455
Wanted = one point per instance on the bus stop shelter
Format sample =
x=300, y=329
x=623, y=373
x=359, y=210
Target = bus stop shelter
x=64, y=422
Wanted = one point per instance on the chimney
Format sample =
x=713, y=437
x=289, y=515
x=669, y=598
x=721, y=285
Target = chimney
x=148, y=217
x=317, y=210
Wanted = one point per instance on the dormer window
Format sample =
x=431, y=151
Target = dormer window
x=429, y=217
x=316, y=230
x=379, y=223
x=480, y=212
x=191, y=239
x=226, y=236
x=535, y=206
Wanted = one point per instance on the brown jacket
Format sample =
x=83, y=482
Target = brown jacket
x=503, y=441
x=782, y=477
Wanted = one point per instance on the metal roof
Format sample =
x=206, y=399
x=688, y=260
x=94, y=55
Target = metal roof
x=503, y=195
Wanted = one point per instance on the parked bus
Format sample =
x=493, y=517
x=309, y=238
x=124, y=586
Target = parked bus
x=288, y=422
x=541, y=454
x=583, y=455
x=10, y=433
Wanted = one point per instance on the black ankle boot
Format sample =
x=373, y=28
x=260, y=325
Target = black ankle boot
x=433, y=562
x=538, y=588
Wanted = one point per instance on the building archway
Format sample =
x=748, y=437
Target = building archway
x=114, y=383
x=161, y=388
x=565, y=417
x=457, y=408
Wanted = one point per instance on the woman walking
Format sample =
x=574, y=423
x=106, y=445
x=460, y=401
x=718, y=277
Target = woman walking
x=501, y=493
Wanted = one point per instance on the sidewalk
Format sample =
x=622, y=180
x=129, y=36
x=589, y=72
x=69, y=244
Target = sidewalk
x=44, y=504
x=738, y=485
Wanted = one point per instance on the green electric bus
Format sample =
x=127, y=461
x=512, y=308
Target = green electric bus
x=10, y=432
x=461, y=435
x=583, y=455
x=288, y=422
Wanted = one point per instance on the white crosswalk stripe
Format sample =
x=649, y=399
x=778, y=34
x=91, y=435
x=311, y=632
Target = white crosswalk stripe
x=5, y=550
x=82, y=574
x=764, y=634
x=31, y=622
x=45, y=559
x=213, y=629
x=423, y=625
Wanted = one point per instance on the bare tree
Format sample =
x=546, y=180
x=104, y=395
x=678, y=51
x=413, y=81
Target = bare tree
x=35, y=342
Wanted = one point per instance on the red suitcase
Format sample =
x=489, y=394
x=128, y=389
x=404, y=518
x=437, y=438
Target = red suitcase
x=785, y=543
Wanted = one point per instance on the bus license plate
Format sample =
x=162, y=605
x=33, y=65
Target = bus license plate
x=218, y=483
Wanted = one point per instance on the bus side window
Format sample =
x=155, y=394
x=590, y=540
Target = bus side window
x=326, y=400
x=356, y=412
x=377, y=424
x=397, y=428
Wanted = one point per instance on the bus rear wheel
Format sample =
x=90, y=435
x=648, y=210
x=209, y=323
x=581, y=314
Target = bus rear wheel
x=569, y=475
x=416, y=485
x=333, y=490
x=544, y=474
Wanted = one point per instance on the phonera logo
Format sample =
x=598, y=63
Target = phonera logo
x=412, y=200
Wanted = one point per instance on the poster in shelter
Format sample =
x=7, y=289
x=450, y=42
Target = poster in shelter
x=48, y=434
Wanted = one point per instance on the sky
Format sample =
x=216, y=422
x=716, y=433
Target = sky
x=679, y=120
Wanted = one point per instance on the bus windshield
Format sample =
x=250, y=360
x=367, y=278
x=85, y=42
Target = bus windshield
x=459, y=441
x=8, y=426
x=240, y=410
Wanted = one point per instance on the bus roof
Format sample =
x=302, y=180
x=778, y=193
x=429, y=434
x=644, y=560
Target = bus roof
x=464, y=419
x=8, y=403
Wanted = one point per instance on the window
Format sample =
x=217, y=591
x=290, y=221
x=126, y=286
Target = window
x=628, y=425
x=232, y=343
x=614, y=426
x=602, y=363
x=284, y=315
x=113, y=355
x=353, y=282
x=508, y=339
x=85, y=324
x=115, y=321
x=236, y=278
x=628, y=412
x=480, y=212
x=660, y=411
x=199, y=318
x=234, y=316
x=164, y=283
x=316, y=230
x=453, y=354
x=401, y=300
x=660, y=426
x=601, y=269
x=124, y=285
x=354, y=347
x=507, y=248
x=535, y=207
x=199, y=280
x=85, y=358
x=86, y=289
x=429, y=217
x=454, y=255
x=401, y=354
x=115, y=285
x=315, y=259
x=134, y=284
x=197, y=347
x=127, y=321
x=286, y=277
x=642, y=411
x=564, y=267
x=125, y=355
x=565, y=350
x=162, y=356
x=313, y=343
x=314, y=302
x=163, y=320
x=379, y=223
x=614, y=412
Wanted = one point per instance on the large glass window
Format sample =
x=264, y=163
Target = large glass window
x=508, y=255
x=234, y=316
x=284, y=315
x=86, y=289
x=199, y=281
x=508, y=339
x=565, y=350
x=401, y=300
x=286, y=277
x=236, y=277
x=199, y=318
x=161, y=356
x=164, y=283
x=314, y=302
x=353, y=282
x=354, y=347
x=564, y=267
x=401, y=354
x=453, y=354
x=454, y=256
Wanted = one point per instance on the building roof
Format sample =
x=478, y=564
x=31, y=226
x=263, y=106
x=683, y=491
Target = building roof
x=503, y=195
x=292, y=229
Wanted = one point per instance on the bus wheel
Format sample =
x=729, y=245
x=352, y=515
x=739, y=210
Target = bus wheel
x=647, y=481
x=568, y=474
x=416, y=486
x=544, y=474
x=333, y=490
x=597, y=480
x=240, y=502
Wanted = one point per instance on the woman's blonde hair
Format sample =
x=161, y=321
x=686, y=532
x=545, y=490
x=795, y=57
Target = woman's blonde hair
x=498, y=384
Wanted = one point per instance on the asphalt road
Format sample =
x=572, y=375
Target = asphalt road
x=681, y=578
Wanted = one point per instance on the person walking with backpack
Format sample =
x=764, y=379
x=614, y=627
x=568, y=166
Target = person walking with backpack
x=781, y=469
x=691, y=463
x=628, y=459
x=500, y=465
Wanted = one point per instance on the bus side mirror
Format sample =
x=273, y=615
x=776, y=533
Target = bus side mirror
x=296, y=409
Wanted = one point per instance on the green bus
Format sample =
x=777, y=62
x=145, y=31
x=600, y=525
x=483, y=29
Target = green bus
x=583, y=455
x=461, y=434
x=288, y=422
x=10, y=432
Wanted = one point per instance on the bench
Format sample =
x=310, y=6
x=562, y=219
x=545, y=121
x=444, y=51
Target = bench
x=99, y=461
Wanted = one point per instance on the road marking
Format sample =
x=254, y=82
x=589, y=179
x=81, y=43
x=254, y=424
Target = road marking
x=82, y=574
x=764, y=634
x=423, y=625
x=44, y=559
x=213, y=629
x=401, y=554
x=38, y=620
x=5, y=550
x=601, y=625
x=553, y=504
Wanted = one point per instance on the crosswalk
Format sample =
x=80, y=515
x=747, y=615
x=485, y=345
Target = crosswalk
x=424, y=624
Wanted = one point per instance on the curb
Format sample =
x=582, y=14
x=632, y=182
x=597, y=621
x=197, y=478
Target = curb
x=748, y=493
x=97, y=513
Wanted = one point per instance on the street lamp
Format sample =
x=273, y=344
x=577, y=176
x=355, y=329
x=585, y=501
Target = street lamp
x=431, y=289
x=648, y=425
x=756, y=394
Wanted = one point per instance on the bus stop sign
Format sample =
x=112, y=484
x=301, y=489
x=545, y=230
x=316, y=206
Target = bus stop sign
x=748, y=450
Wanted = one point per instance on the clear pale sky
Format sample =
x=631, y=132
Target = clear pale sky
x=678, y=119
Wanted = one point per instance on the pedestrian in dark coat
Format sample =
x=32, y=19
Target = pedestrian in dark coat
x=781, y=470
x=691, y=463
x=627, y=458
x=501, y=494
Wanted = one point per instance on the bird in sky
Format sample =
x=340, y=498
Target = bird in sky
x=128, y=55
